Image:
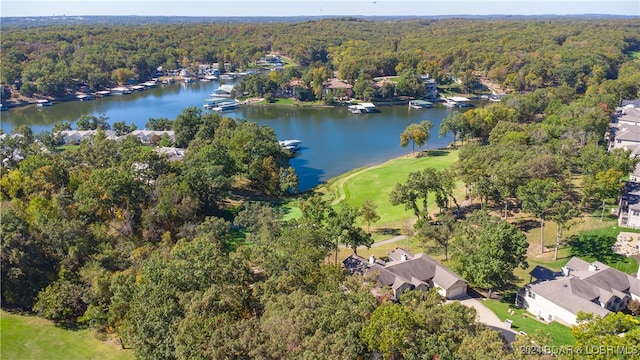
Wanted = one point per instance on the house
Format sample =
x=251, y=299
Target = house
x=431, y=86
x=629, y=205
x=75, y=137
x=223, y=91
x=150, y=137
x=581, y=286
x=625, y=137
x=337, y=85
x=172, y=153
x=405, y=271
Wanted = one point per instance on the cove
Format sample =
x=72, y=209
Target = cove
x=334, y=140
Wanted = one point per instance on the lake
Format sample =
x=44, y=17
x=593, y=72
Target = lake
x=334, y=140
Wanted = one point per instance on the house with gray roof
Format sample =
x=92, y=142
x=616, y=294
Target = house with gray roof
x=405, y=271
x=581, y=286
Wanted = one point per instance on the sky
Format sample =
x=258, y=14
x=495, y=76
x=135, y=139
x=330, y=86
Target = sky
x=316, y=8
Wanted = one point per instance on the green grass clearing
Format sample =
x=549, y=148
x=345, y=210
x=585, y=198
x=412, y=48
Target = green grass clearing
x=377, y=182
x=523, y=321
x=27, y=337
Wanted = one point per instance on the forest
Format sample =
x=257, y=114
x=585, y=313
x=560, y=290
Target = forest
x=520, y=55
x=194, y=259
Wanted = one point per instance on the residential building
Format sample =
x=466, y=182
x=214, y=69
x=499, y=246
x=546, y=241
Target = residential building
x=581, y=286
x=405, y=271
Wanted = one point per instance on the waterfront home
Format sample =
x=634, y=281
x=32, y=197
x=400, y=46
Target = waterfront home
x=405, y=271
x=335, y=85
x=172, y=153
x=431, y=86
x=591, y=287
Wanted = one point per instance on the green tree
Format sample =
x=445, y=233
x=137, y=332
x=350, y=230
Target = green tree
x=389, y=330
x=441, y=231
x=487, y=250
x=341, y=228
x=538, y=197
x=604, y=185
x=369, y=213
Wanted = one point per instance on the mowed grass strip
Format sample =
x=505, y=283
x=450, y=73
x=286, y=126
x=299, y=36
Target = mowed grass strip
x=377, y=182
x=27, y=337
x=523, y=321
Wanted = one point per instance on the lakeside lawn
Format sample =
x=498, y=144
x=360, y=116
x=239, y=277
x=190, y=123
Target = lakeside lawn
x=523, y=321
x=377, y=182
x=28, y=337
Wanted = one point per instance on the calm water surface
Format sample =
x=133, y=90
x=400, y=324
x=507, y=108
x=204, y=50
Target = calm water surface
x=334, y=140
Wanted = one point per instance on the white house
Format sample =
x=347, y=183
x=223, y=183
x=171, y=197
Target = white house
x=405, y=271
x=581, y=286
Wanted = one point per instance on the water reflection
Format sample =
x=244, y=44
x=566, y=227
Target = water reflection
x=334, y=140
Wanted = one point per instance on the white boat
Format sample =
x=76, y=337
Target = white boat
x=420, y=104
x=211, y=77
x=218, y=102
x=188, y=80
x=44, y=102
x=291, y=145
x=225, y=107
x=120, y=90
x=85, y=97
x=362, y=108
x=227, y=76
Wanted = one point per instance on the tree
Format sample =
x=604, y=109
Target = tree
x=562, y=213
x=91, y=122
x=616, y=331
x=441, y=231
x=342, y=229
x=456, y=124
x=369, y=213
x=389, y=330
x=604, y=185
x=538, y=197
x=487, y=250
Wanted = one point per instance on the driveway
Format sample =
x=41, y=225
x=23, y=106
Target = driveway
x=487, y=317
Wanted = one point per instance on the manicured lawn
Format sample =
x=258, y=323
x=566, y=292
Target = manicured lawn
x=29, y=337
x=522, y=321
x=377, y=182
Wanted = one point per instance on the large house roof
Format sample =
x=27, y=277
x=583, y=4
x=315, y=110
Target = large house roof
x=405, y=269
x=584, y=286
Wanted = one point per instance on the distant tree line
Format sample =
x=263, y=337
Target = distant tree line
x=520, y=55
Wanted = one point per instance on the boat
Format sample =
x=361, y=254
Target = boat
x=225, y=107
x=420, y=104
x=362, y=108
x=120, y=91
x=211, y=77
x=103, y=93
x=218, y=102
x=188, y=80
x=291, y=145
x=44, y=102
x=137, y=87
x=228, y=76
x=85, y=97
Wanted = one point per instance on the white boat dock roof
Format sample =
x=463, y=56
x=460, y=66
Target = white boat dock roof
x=458, y=98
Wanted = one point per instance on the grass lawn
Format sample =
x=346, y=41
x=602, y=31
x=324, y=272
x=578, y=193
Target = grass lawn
x=29, y=337
x=522, y=321
x=377, y=182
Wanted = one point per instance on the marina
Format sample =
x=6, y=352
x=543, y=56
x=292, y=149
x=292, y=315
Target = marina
x=335, y=140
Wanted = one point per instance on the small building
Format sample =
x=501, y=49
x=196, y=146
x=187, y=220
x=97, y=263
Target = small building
x=405, y=271
x=337, y=85
x=431, y=86
x=75, y=137
x=151, y=137
x=581, y=286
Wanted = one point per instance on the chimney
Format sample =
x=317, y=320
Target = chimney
x=566, y=271
x=372, y=259
x=593, y=267
x=403, y=257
